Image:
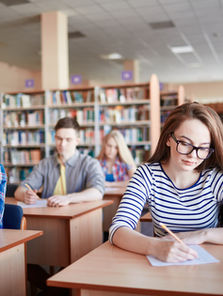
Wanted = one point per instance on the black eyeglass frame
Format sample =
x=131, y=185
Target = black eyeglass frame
x=211, y=150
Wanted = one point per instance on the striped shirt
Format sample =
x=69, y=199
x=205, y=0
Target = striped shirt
x=187, y=209
x=3, y=179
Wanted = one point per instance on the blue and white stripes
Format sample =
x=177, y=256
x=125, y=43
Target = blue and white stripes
x=186, y=209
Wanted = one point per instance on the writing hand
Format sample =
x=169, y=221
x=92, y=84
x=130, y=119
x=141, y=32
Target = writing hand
x=30, y=197
x=173, y=251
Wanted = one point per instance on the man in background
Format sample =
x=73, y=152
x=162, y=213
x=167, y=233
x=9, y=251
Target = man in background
x=66, y=177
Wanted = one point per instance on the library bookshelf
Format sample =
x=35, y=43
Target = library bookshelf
x=28, y=120
x=169, y=100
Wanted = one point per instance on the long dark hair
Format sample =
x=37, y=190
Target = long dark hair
x=192, y=111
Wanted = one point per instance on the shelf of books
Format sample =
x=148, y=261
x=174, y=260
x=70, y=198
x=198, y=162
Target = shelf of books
x=28, y=121
x=169, y=100
x=127, y=108
x=22, y=133
x=78, y=103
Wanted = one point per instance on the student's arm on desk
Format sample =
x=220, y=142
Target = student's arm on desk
x=90, y=194
x=209, y=235
x=26, y=195
x=164, y=250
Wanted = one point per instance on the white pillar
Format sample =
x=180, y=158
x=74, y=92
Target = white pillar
x=154, y=112
x=54, y=38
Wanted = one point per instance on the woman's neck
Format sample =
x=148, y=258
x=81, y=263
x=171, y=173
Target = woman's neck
x=181, y=179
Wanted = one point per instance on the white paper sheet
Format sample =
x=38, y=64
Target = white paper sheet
x=203, y=258
x=39, y=204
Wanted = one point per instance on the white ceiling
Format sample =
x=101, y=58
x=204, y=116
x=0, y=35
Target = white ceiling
x=121, y=26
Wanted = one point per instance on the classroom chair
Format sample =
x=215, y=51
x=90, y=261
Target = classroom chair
x=220, y=216
x=13, y=217
x=10, y=190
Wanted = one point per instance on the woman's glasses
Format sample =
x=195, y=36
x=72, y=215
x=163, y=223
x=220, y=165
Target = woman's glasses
x=187, y=148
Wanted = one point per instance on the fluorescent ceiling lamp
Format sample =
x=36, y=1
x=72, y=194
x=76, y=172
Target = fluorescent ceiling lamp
x=195, y=65
x=112, y=56
x=182, y=49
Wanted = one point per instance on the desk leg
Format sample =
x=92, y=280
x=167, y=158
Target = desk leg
x=12, y=272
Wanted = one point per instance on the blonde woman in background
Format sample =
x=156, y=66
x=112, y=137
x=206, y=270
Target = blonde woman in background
x=116, y=160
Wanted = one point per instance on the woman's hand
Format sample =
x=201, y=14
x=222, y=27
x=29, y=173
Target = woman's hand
x=173, y=251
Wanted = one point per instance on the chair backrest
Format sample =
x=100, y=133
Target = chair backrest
x=10, y=190
x=13, y=217
x=220, y=216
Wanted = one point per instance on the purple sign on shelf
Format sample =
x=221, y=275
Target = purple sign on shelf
x=76, y=79
x=127, y=75
x=29, y=83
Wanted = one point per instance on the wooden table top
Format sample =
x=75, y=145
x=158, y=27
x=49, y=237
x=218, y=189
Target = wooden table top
x=66, y=212
x=112, y=269
x=12, y=237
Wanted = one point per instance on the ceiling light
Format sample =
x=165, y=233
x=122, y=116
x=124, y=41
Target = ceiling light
x=112, y=56
x=194, y=65
x=182, y=49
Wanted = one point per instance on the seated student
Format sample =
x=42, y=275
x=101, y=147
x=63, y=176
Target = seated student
x=182, y=184
x=66, y=177
x=3, y=179
x=116, y=160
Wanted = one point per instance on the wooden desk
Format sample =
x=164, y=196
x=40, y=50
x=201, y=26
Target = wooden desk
x=109, y=270
x=115, y=194
x=69, y=232
x=13, y=260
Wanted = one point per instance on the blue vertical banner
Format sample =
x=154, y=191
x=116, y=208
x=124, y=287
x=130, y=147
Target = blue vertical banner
x=76, y=79
x=29, y=83
x=127, y=75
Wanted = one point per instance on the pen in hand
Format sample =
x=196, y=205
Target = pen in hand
x=171, y=233
x=28, y=187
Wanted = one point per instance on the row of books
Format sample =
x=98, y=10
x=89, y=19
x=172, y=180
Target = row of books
x=120, y=114
x=15, y=138
x=22, y=157
x=111, y=95
x=69, y=97
x=132, y=136
x=22, y=119
x=84, y=115
x=168, y=100
x=164, y=116
x=106, y=95
x=22, y=100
